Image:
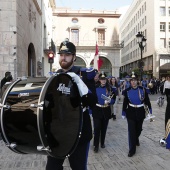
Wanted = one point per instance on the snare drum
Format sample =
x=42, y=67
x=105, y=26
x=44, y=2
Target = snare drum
x=42, y=116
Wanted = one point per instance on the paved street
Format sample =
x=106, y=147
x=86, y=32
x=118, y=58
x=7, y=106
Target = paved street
x=149, y=156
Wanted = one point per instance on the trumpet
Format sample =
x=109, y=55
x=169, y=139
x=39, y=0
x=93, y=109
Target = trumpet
x=149, y=116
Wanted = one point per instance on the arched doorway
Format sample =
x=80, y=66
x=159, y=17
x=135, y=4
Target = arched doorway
x=80, y=62
x=31, y=61
x=106, y=66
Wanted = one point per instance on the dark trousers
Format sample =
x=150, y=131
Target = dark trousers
x=100, y=128
x=134, y=131
x=77, y=160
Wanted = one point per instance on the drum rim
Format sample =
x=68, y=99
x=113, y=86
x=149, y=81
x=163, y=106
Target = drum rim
x=41, y=129
x=4, y=136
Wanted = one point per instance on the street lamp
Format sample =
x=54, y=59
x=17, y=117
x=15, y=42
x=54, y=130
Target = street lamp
x=141, y=40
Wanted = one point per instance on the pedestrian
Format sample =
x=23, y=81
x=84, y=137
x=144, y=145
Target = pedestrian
x=114, y=86
x=6, y=81
x=78, y=159
x=144, y=83
x=135, y=97
x=102, y=112
x=166, y=90
x=162, y=85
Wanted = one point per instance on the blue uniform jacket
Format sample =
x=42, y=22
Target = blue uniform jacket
x=136, y=97
x=105, y=112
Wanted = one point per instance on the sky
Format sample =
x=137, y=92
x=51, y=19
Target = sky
x=122, y=5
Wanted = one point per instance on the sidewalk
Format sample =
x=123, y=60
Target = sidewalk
x=149, y=156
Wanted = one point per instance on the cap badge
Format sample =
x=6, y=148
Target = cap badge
x=64, y=48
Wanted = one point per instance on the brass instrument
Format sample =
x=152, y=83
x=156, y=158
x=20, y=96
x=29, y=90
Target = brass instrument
x=149, y=116
x=167, y=128
x=150, y=85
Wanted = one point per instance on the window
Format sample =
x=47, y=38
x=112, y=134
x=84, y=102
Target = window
x=101, y=37
x=162, y=11
x=162, y=42
x=169, y=11
x=145, y=5
x=162, y=26
x=169, y=43
x=74, y=20
x=169, y=26
x=100, y=20
x=75, y=36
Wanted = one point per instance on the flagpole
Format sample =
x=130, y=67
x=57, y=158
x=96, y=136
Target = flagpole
x=96, y=57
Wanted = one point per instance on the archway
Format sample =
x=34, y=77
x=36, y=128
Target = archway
x=80, y=62
x=106, y=66
x=31, y=61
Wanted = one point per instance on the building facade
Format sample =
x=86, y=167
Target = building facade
x=85, y=28
x=22, y=32
x=152, y=18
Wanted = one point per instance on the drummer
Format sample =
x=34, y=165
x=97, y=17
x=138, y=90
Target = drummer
x=78, y=159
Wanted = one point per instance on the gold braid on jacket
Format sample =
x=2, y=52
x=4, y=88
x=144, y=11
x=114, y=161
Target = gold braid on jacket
x=167, y=128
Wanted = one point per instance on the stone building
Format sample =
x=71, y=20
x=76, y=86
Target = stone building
x=152, y=18
x=86, y=27
x=25, y=36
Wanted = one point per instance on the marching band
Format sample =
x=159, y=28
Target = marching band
x=93, y=93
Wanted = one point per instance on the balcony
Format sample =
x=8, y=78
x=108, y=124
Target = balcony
x=104, y=43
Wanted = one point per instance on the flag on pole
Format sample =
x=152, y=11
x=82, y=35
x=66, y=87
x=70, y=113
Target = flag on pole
x=96, y=57
x=100, y=63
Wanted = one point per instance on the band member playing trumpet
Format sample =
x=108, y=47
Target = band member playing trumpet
x=133, y=109
x=102, y=111
x=78, y=159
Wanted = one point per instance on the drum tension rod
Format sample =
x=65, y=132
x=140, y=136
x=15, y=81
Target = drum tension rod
x=37, y=105
x=4, y=106
x=12, y=145
x=42, y=148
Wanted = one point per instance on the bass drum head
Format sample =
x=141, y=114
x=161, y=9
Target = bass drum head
x=60, y=121
x=19, y=120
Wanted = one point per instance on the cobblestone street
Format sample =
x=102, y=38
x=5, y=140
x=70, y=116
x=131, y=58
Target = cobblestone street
x=149, y=156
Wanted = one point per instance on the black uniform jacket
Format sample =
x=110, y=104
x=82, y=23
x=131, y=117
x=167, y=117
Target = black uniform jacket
x=87, y=100
x=132, y=112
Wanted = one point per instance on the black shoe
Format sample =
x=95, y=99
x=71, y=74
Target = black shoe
x=96, y=149
x=137, y=143
x=114, y=117
x=103, y=146
x=130, y=154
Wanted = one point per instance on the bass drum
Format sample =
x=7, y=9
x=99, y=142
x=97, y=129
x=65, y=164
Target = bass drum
x=42, y=116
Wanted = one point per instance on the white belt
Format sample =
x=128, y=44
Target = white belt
x=136, y=106
x=103, y=106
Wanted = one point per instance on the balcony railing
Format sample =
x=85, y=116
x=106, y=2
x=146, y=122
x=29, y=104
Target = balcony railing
x=104, y=43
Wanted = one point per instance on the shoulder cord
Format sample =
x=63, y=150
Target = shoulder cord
x=140, y=96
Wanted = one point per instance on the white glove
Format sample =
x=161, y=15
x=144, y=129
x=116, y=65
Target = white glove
x=123, y=117
x=83, y=90
x=106, y=102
